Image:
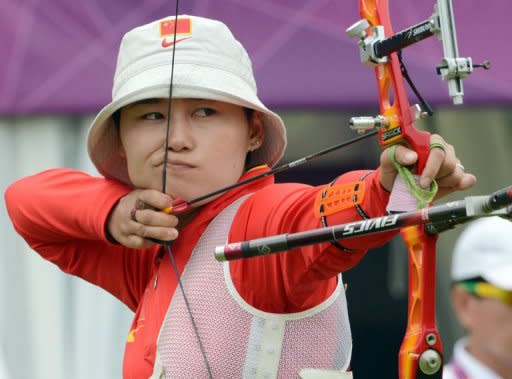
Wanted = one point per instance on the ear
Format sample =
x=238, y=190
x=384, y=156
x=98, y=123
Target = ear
x=256, y=131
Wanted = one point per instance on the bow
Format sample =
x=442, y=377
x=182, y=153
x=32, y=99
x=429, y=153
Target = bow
x=421, y=349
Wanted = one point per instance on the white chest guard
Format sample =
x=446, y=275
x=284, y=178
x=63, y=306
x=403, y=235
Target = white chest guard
x=239, y=340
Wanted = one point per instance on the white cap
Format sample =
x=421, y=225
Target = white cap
x=484, y=250
x=209, y=63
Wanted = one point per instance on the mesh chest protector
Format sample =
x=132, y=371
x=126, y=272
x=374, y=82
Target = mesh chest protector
x=241, y=341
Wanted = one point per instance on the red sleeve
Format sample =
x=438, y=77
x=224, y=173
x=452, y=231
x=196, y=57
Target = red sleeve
x=299, y=279
x=373, y=205
x=61, y=213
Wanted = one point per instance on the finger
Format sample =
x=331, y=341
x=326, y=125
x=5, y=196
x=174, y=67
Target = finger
x=155, y=232
x=136, y=242
x=152, y=217
x=435, y=161
x=466, y=181
x=403, y=155
x=450, y=164
x=451, y=180
x=388, y=172
x=458, y=180
x=133, y=213
x=155, y=199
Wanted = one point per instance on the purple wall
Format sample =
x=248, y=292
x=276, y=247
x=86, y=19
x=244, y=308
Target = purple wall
x=59, y=55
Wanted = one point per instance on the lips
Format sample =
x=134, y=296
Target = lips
x=179, y=164
x=173, y=161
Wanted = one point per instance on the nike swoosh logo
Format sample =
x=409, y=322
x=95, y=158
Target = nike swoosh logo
x=166, y=43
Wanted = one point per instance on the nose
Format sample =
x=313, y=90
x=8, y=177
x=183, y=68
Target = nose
x=179, y=132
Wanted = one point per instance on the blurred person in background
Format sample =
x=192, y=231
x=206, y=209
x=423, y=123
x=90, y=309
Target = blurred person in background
x=482, y=301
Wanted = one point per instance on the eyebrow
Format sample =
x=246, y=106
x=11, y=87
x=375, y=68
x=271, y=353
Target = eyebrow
x=153, y=100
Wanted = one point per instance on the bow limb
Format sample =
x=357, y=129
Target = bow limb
x=421, y=349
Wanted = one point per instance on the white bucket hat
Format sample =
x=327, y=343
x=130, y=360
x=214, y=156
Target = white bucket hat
x=484, y=250
x=209, y=63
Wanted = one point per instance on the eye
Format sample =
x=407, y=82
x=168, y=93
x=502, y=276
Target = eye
x=153, y=116
x=204, y=112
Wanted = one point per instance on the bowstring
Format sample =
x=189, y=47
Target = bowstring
x=167, y=246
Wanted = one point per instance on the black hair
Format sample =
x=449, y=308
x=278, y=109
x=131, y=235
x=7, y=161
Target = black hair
x=116, y=116
x=249, y=113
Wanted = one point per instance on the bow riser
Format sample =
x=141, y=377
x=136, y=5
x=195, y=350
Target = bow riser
x=393, y=101
x=420, y=352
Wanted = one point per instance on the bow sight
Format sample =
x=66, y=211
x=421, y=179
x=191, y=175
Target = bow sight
x=375, y=47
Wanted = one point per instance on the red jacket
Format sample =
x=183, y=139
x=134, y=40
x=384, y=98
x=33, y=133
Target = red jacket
x=62, y=215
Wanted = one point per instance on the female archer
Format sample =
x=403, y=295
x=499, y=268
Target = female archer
x=282, y=315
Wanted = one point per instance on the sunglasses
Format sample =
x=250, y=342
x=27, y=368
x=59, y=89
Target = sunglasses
x=486, y=290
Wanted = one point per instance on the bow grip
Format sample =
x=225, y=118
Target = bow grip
x=420, y=143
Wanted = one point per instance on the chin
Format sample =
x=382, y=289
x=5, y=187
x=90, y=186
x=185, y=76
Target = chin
x=176, y=193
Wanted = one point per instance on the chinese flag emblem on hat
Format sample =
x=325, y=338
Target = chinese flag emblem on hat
x=167, y=27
